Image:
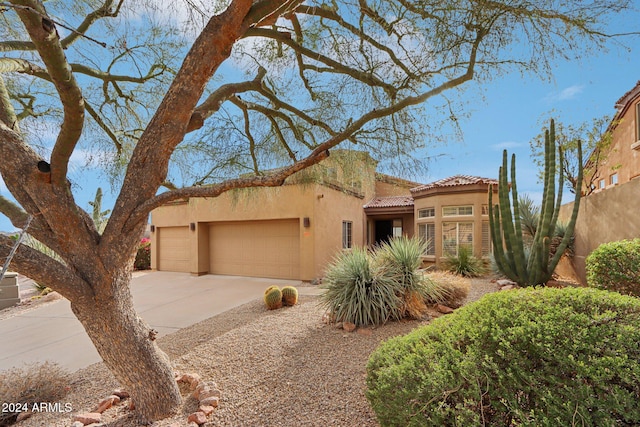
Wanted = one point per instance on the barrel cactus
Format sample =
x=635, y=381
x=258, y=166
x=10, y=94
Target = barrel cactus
x=273, y=298
x=289, y=295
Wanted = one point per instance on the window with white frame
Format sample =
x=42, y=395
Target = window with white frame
x=613, y=179
x=397, y=228
x=427, y=213
x=602, y=184
x=347, y=234
x=456, y=234
x=457, y=210
x=427, y=233
x=486, y=239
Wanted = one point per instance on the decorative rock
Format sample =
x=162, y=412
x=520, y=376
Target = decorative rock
x=192, y=379
x=210, y=401
x=132, y=406
x=444, y=309
x=507, y=287
x=23, y=416
x=107, y=403
x=205, y=386
x=77, y=424
x=120, y=393
x=365, y=331
x=198, y=418
x=205, y=409
x=348, y=326
x=192, y=424
x=504, y=282
x=51, y=296
x=88, y=418
x=207, y=392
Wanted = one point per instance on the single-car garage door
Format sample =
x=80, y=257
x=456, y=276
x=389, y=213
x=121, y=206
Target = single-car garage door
x=173, y=249
x=255, y=248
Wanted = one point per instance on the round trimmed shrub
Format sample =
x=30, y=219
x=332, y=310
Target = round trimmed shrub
x=615, y=266
x=530, y=357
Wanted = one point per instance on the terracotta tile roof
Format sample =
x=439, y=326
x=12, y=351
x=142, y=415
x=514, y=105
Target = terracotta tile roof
x=390, y=202
x=454, y=181
x=624, y=99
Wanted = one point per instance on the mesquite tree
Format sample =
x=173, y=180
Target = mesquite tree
x=532, y=265
x=267, y=85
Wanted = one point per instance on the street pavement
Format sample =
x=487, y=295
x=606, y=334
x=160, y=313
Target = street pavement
x=167, y=301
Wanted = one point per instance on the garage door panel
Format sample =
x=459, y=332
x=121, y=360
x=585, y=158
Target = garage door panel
x=255, y=248
x=173, y=249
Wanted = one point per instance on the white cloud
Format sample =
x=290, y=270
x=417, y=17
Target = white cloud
x=507, y=145
x=565, y=94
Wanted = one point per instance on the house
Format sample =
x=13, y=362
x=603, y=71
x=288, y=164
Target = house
x=610, y=213
x=621, y=162
x=293, y=231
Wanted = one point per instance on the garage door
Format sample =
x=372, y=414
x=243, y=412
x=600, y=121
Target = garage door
x=173, y=249
x=255, y=248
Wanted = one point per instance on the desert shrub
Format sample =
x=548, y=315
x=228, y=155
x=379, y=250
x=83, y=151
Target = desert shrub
x=33, y=384
x=453, y=288
x=464, y=264
x=355, y=292
x=530, y=357
x=143, y=255
x=615, y=266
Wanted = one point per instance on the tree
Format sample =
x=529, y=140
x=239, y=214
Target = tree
x=318, y=74
x=596, y=138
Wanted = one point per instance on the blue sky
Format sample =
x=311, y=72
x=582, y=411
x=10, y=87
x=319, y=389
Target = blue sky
x=508, y=115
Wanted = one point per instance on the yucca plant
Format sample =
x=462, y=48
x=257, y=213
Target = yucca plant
x=464, y=264
x=355, y=292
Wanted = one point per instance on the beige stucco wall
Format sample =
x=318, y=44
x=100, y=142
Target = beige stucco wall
x=440, y=200
x=384, y=189
x=607, y=216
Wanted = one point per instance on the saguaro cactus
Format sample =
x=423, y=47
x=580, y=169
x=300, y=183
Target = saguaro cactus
x=535, y=266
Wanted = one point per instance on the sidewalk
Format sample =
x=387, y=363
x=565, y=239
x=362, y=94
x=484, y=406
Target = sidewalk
x=166, y=301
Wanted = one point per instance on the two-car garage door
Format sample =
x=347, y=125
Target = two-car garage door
x=255, y=248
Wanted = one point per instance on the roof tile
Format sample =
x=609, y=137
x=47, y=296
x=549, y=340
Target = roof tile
x=454, y=181
x=389, y=202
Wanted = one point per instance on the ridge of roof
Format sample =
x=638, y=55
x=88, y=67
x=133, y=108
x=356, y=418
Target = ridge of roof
x=628, y=96
x=454, y=181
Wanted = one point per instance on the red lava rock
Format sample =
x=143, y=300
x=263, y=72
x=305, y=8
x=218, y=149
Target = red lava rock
x=205, y=409
x=210, y=401
x=23, y=416
x=348, y=326
x=444, y=309
x=198, y=418
x=365, y=331
x=207, y=392
x=132, y=406
x=107, y=403
x=120, y=393
x=88, y=418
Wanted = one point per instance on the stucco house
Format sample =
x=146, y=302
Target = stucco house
x=293, y=231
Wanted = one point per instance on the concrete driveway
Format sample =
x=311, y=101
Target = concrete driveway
x=167, y=301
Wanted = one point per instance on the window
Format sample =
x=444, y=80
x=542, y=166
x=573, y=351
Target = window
x=427, y=213
x=397, y=228
x=638, y=121
x=427, y=232
x=454, y=235
x=601, y=184
x=613, y=179
x=347, y=228
x=457, y=210
x=486, y=239
x=485, y=209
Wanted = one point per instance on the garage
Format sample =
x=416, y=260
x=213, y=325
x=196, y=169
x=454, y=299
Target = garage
x=255, y=248
x=173, y=249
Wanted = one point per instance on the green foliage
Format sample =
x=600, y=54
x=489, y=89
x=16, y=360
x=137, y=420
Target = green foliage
x=464, y=264
x=370, y=288
x=289, y=295
x=616, y=266
x=143, y=255
x=530, y=357
x=273, y=298
x=100, y=217
x=31, y=385
x=531, y=264
x=356, y=292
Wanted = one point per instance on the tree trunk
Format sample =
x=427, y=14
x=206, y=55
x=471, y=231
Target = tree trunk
x=127, y=346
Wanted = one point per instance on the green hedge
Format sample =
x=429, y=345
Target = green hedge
x=531, y=357
x=615, y=266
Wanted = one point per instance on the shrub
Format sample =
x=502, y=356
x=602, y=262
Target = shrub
x=530, y=357
x=356, y=292
x=616, y=266
x=453, y=288
x=33, y=384
x=464, y=264
x=143, y=255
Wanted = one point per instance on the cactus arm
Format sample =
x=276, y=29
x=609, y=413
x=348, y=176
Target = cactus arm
x=496, y=237
x=518, y=245
x=505, y=210
x=574, y=215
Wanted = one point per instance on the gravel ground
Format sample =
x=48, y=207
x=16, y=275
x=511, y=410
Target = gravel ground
x=274, y=368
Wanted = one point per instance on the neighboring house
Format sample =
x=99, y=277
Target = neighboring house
x=293, y=231
x=610, y=213
x=621, y=162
